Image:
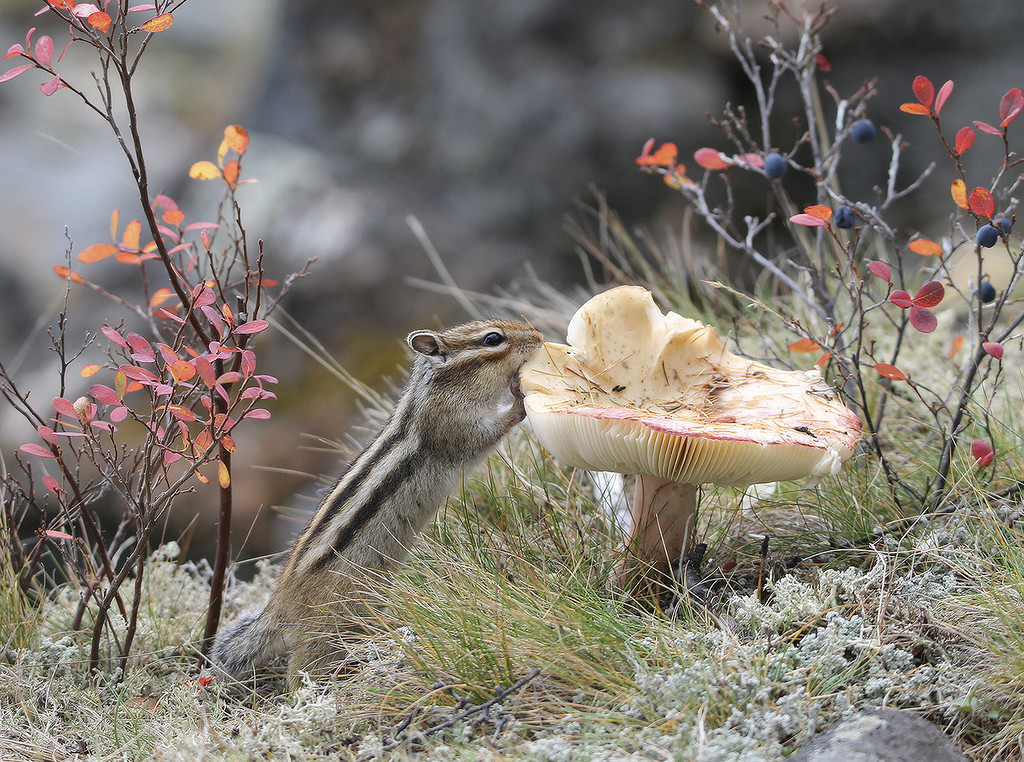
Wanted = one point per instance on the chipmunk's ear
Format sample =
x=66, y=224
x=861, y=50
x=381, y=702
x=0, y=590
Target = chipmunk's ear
x=425, y=342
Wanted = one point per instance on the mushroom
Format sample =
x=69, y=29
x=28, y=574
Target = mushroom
x=660, y=396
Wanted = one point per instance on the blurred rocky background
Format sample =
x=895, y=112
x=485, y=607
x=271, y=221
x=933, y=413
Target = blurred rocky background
x=488, y=120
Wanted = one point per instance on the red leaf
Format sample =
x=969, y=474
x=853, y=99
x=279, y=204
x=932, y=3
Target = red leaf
x=258, y=413
x=53, y=534
x=944, y=92
x=17, y=70
x=64, y=407
x=253, y=326
x=105, y=395
x=114, y=336
x=1009, y=107
x=142, y=351
x=930, y=294
x=822, y=63
x=44, y=50
x=46, y=434
x=37, y=450
x=901, y=299
x=890, y=371
x=964, y=140
x=915, y=108
x=982, y=453
x=709, y=158
x=923, y=319
x=985, y=127
x=51, y=85
x=924, y=90
x=54, y=486
x=15, y=51
x=880, y=270
x=135, y=373
x=981, y=202
x=993, y=348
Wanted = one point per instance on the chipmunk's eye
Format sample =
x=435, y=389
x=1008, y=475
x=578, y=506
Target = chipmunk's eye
x=493, y=339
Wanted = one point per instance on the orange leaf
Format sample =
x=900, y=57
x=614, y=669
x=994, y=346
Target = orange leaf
x=158, y=23
x=915, y=108
x=890, y=371
x=223, y=475
x=160, y=296
x=981, y=202
x=959, y=193
x=822, y=361
x=804, y=345
x=821, y=212
x=174, y=216
x=88, y=371
x=96, y=252
x=99, y=20
x=204, y=170
x=925, y=247
x=237, y=138
x=665, y=156
x=956, y=346
x=114, y=225
x=131, y=235
x=65, y=273
x=231, y=172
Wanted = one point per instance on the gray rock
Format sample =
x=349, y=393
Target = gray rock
x=880, y=735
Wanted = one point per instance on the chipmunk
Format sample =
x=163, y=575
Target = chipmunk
x=461, y=399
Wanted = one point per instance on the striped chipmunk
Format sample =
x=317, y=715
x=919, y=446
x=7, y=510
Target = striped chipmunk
x=461, y=399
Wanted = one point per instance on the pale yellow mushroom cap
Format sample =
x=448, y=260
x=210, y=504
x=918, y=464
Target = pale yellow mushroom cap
x=640, y=392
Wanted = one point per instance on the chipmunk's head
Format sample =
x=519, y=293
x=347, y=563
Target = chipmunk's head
x=481, y=359
x=467, y=379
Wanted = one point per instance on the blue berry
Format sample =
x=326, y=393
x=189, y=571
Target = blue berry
x=775, y=165
x=845, y=218
x=987, y=292
x=987, y=236
x=1004, y=225
x=863, y=131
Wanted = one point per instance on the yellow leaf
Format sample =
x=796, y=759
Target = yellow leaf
x=223, y=475
x=90, y=370
x=959, y=193
x=237, y=138
x=204, y=170
x=158, y=23
x=113, y=225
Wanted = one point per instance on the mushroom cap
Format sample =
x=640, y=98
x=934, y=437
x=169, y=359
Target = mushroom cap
x=640, y=392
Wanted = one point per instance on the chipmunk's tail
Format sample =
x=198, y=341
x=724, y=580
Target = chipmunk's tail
x=250, y=643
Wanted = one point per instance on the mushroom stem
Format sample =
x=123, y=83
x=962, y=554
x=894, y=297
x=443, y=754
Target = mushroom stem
x=663, y=516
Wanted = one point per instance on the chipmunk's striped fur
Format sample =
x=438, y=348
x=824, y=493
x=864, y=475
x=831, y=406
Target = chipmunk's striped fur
x=461, y=398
